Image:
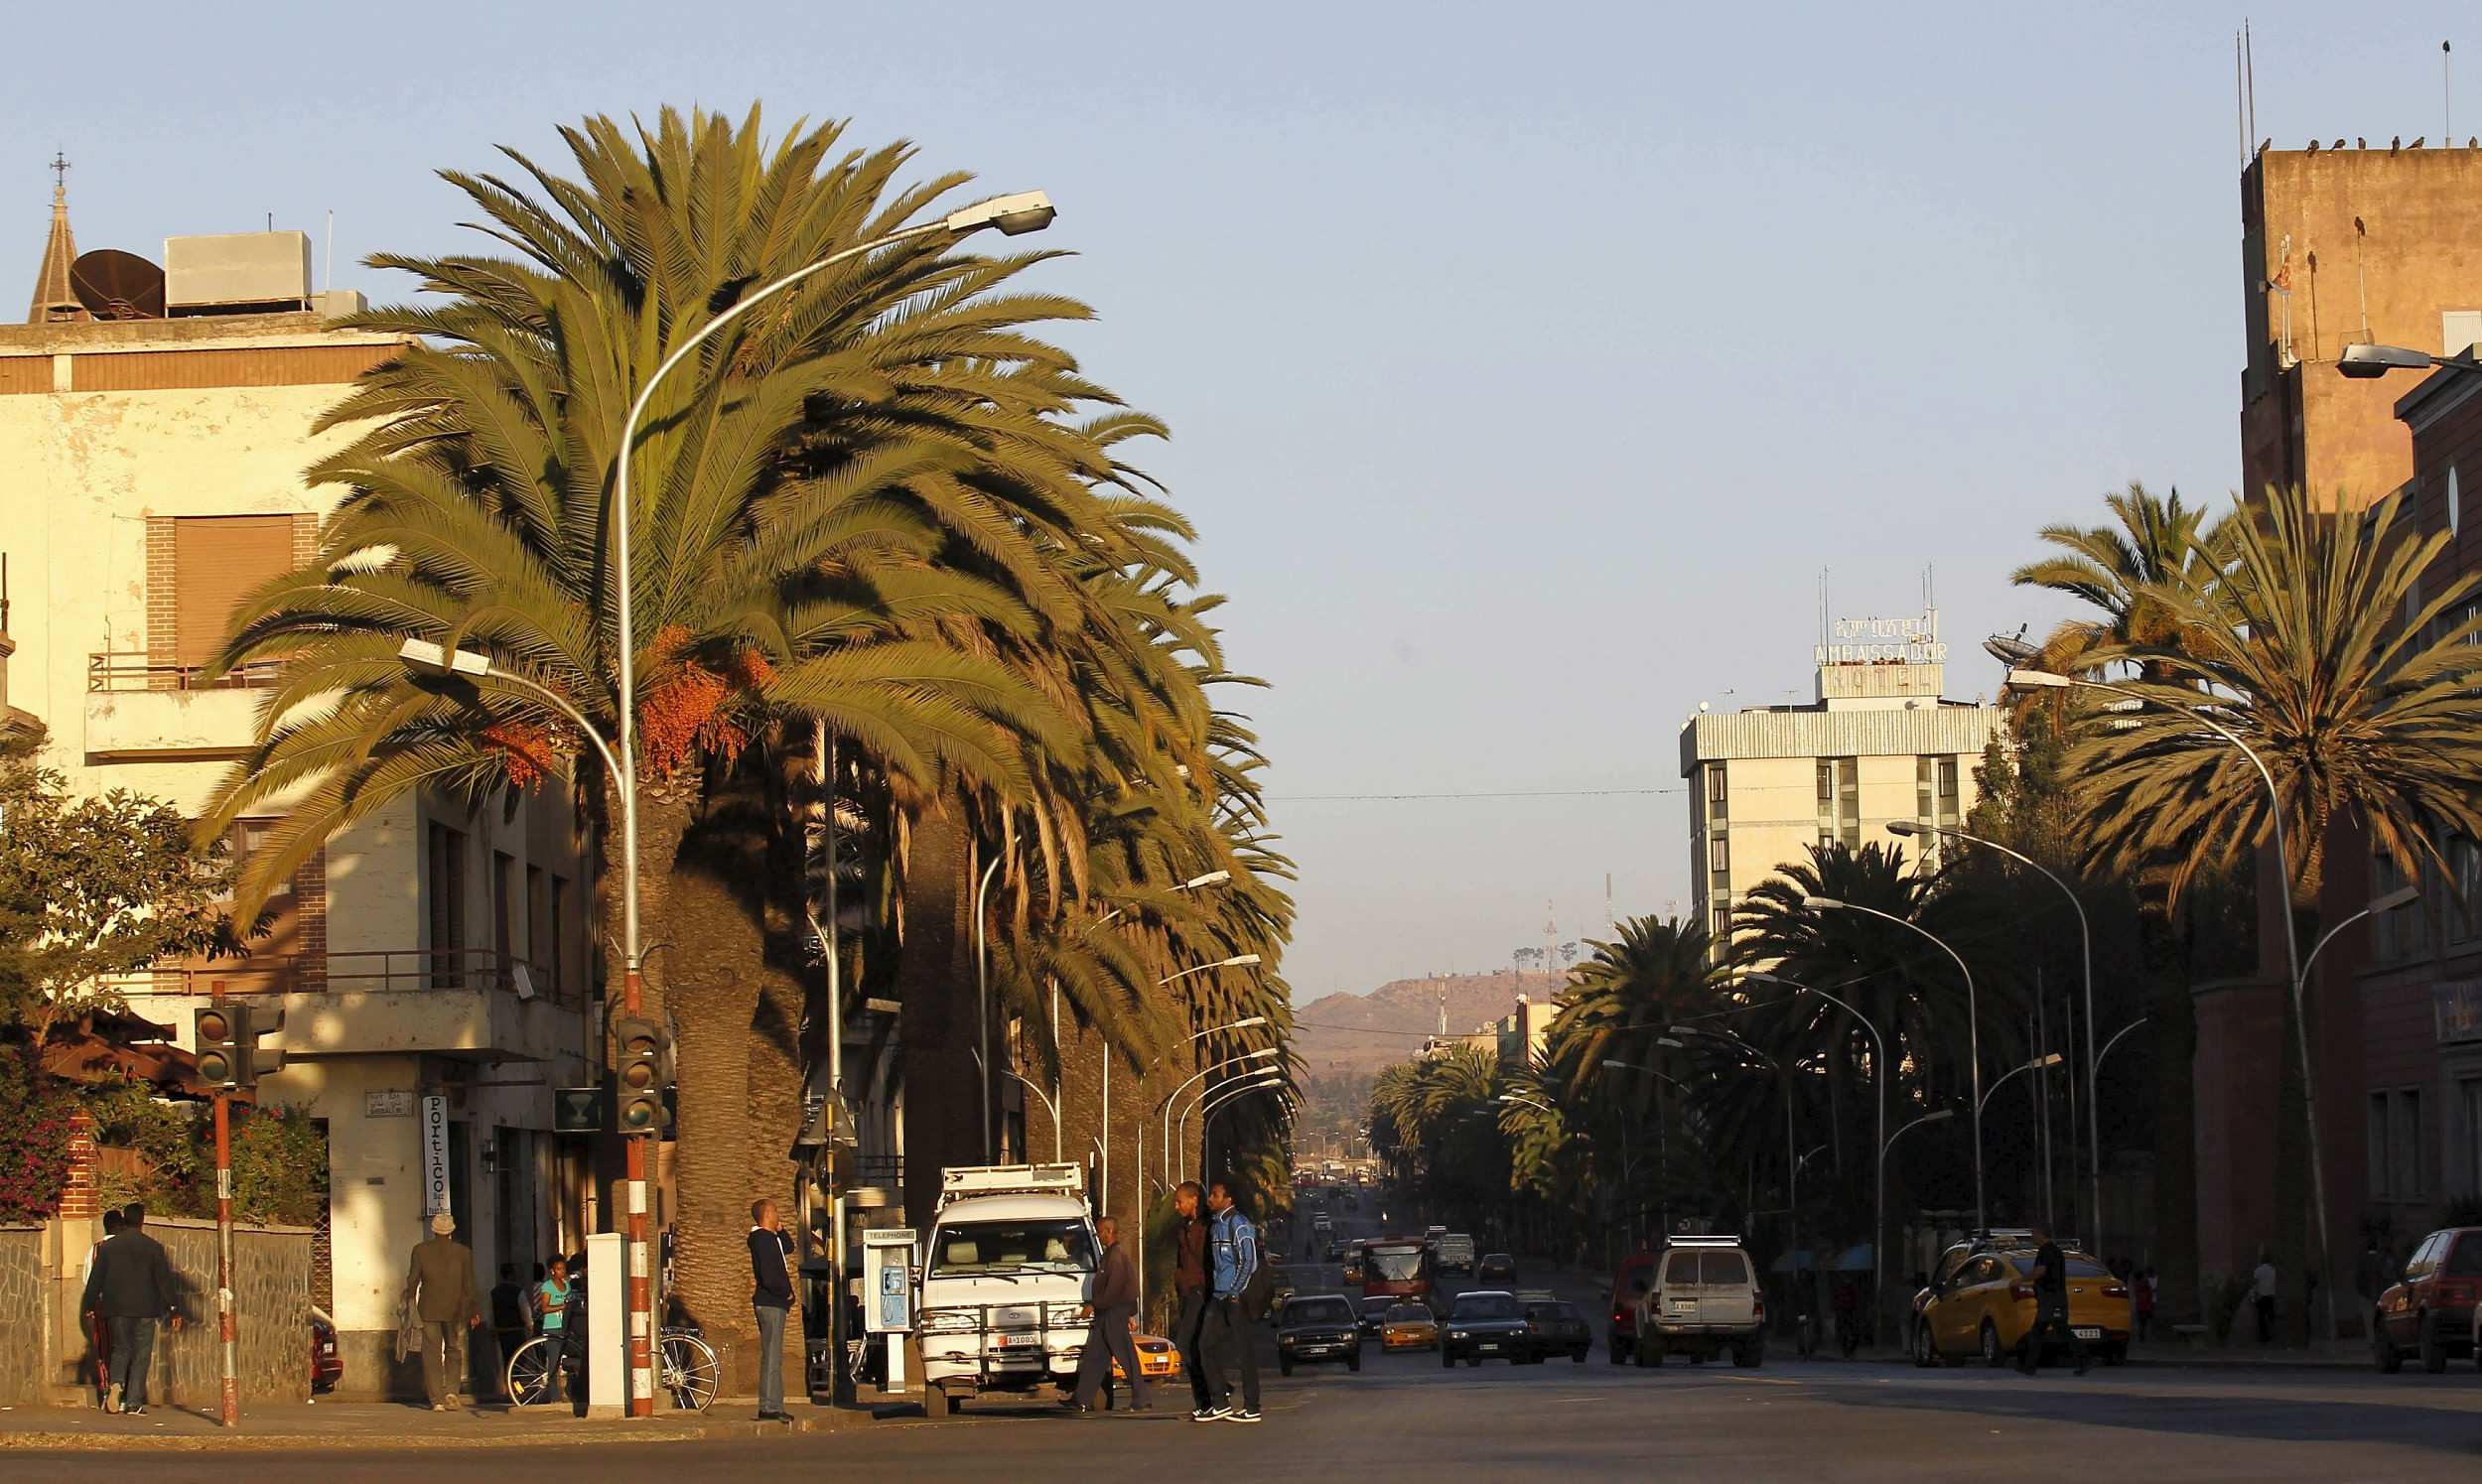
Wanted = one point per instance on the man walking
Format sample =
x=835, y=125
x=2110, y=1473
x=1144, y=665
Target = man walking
x=1230, y=1335
x=1112, y=1326
x=2263, y=1296
x=130, y=1286
x=1190, y=1283
x=2050, y=1281
x=440, y=1287
x=771, y=1296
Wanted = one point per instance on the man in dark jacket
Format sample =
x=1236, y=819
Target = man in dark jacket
x=439, y=1284
x=771, y=1295
x=129, y=1287
x=1190, y=1282
x=1111, y=1325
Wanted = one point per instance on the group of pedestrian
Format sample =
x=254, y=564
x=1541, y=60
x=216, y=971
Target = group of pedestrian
x=522, y=1312
x=130, y=1289
x=439, y=1309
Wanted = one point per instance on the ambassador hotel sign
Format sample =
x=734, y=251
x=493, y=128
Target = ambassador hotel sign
x=1884, y=641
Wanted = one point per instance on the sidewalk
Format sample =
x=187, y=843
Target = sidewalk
x=384, y=1424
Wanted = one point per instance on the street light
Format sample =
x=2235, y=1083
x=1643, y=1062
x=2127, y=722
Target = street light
x=1878, y=1069
x=2366, y=362
x=1164, y=1104
x=2014, y=653
x=2047, y=1059
x=1973, y=1031
x=1214, y=1101
x=1944, y=1113
x=2085, y=940
x=1663, y=1134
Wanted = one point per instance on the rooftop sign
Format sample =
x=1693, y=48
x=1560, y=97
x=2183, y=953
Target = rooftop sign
x=1884, y=641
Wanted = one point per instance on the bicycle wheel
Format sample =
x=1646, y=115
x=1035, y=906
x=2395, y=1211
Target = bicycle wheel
x=529, y=1373
x=689, y=1371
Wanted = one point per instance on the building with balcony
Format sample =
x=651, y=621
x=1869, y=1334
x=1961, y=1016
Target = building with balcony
x=434, y=962
x=1878, y=743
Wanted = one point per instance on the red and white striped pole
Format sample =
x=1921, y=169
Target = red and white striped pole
x=226, y=1327
x=641, y=1283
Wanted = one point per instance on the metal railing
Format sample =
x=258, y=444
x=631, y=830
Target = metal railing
x=120, y=672
x=404, y=970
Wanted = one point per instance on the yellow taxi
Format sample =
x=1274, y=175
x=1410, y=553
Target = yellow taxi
x=1983, y=1302
x=1158, y=1357
x=1408, y=1326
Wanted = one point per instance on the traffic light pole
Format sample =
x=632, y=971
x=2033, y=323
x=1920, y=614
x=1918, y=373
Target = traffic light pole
x=227, y=1335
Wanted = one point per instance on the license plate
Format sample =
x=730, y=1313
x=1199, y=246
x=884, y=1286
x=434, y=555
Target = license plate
x=2088, y=1332
x=1487, y=1349
x=1015, y=1341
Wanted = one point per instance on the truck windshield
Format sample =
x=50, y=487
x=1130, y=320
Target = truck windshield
x=984, y=1248
x=1395, y=1265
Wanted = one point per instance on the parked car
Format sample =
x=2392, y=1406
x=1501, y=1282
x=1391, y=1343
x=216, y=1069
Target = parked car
x=1316, y=1329
x=1702, y=1302
x=2432, y=1311
x=1628, y=1285
x=1408, y=1326
x=1985, y=1305
x=1496, y=1267
x=1485, y=1324
x=327, y=1366
x=1556, y=1328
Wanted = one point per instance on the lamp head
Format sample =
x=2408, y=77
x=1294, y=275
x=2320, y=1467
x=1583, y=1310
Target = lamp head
x=1212, y=879
x=1941, y=1117
x=2399, y=898
x=2037, y=680
x=1015, y=215
x=436, y=659
x=1246, y=1024
x=2363, y=362
x=1265, y=1052
x=1827, y=903
x=1904, y=827
x=1677, y=1046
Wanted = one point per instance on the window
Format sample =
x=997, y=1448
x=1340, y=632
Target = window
x=2469, y=1093
x=538, y=908
x=2458, y=329
x=2401, y=933
x=2456, y=516
x=443, y=892
x=2464, y=875
x=1720, y=858
x=504, y=909
x=555, y=952
x=2374, y=1135
x=1840, y=801
x=2404, y=1141
x=1720, y=928
x=216, y=561
x=1717, y=794
x=984, y=1248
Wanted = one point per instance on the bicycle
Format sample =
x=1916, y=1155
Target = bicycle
x=686, y=1370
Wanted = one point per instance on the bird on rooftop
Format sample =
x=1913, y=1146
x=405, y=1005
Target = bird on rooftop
x=2395, y=142
x=2314, y=147
x=2340, y=144
x=2360, y=143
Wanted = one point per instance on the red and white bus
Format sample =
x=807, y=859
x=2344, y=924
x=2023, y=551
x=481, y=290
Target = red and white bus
x=1397, y=1268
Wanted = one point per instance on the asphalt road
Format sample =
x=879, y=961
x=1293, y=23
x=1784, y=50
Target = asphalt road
x=1403, y=1417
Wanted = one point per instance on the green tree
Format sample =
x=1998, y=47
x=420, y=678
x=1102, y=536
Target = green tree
x=91, y=888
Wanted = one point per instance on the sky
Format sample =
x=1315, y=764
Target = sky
x=1525, y=364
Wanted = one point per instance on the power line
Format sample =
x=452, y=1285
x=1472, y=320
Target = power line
x=1361, y=1029
x=1501, y=793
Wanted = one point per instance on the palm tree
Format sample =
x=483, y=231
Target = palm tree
x=798, y=503
x=2320, y=643
x=2114, y=570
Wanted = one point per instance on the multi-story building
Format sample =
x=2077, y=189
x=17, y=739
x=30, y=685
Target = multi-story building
x=2342, y=248
x=433, y=961
x=1878, y=742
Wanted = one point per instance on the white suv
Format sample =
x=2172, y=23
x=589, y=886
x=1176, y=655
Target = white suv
x=1703, y=1300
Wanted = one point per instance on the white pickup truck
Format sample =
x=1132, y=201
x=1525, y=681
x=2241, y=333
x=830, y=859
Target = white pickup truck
x=1009, y=1260
x=1452, y=1251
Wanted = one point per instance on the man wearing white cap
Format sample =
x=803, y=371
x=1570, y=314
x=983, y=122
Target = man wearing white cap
x=440, y=1287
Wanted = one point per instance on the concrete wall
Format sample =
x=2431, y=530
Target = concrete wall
x=21, y=1295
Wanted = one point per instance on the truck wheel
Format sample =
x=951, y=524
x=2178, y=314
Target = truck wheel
x=1994, y=1355
x=937, y=1403
x=1620, y=1350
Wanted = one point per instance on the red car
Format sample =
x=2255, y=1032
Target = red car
x=327, y=1366
x=2431, y=1312
x=1636, y=1274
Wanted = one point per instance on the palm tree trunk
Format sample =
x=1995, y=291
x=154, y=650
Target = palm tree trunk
x=935, y=984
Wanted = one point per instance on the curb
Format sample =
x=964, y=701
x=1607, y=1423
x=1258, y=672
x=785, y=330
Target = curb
x=92, y=1442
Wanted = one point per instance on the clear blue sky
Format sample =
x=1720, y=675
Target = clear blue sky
x=1525, y=361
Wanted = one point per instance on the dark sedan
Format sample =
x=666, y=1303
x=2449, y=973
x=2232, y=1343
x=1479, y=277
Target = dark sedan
x=1496, y=1267
x=1485, y=1324
x=1374, y=1314
x=1318, y=1329
x=1556, y=1328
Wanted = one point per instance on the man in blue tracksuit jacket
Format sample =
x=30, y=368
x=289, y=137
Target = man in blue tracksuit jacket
x=1230, y=1335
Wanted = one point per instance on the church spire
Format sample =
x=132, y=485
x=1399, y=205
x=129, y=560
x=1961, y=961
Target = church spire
x=55, y=302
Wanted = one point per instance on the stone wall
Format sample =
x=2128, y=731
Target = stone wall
x=271, y=1293
x=21, y=1293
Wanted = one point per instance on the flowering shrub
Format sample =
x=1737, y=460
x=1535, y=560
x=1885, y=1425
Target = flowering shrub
x=34, y=1141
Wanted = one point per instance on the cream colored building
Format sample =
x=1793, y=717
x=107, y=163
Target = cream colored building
x=1878, y=743
x=151, y=473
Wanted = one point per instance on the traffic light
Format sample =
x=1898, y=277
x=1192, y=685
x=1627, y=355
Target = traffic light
x=640, y=1066
x=258, y=1021
x=217, y=1038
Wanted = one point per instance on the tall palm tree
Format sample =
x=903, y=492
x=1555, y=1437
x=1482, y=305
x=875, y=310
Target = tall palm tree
x=2114, y=570
x=798, y=498
x=2321, y=642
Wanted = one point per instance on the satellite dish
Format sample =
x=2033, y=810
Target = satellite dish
x=117, y=285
